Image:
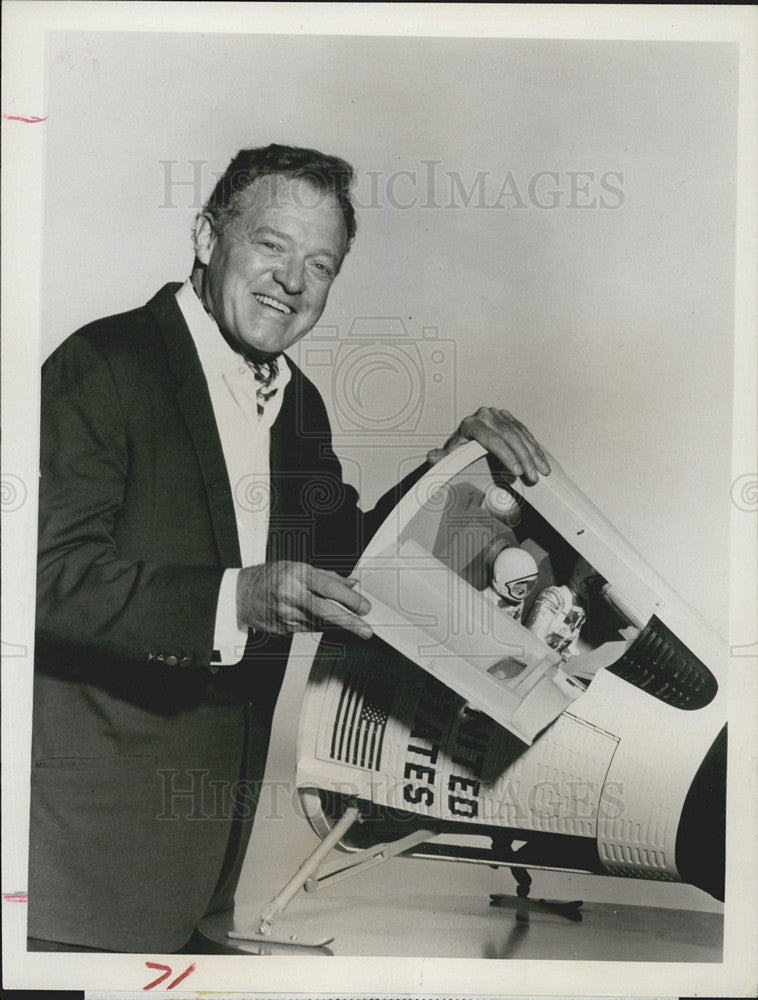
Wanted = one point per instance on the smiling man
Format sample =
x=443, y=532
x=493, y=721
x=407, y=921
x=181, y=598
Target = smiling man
x=265, y=273
x=183, y=538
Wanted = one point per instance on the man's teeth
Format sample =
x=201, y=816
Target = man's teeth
x=274, y=303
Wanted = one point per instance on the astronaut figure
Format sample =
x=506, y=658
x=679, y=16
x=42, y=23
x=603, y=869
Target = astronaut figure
x=514, y=574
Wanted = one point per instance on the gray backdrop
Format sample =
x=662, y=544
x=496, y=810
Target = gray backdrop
x=548, y=224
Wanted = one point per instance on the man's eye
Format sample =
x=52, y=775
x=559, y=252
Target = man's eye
x=268, y=245
x=323, y=268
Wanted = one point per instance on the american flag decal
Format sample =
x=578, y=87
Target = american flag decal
x=358, y=731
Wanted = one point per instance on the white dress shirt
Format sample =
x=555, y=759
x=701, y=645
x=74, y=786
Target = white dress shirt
x=245, y=443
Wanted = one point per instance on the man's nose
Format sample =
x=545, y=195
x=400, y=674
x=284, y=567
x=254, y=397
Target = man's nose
x=290, y=274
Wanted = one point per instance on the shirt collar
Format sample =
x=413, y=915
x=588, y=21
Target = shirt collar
x=216, y=356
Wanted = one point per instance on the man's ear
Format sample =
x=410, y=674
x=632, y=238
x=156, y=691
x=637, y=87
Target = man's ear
x=205, y=239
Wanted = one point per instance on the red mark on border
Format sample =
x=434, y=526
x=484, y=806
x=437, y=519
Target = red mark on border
x=190, y=968
x=29, y=121
x=14, y=897
x=166, y=973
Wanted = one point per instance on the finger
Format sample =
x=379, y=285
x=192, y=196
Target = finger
x=436, y=454
x=543, y=462
x=313, y=573
x=324, y=583
x=519, y=440
x=291, y=618
x=500, y=440
x=536, y=448
x=332, y=613
x=538, y=454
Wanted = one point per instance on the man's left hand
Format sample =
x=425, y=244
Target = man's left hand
x=503, y=436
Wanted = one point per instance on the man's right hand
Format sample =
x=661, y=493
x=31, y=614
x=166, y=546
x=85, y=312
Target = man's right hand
x=284, y=597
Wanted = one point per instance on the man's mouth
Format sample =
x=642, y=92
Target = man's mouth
x=266, y=300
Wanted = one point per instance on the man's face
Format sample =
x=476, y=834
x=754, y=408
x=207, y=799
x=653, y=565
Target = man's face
x=268, y=274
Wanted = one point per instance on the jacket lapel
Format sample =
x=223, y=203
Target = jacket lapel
x=194, y=402
x=284, y=458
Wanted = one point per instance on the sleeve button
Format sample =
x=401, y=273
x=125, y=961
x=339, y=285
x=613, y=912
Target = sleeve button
x=171, y=661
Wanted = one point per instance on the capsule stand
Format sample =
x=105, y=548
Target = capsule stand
x=314, y=875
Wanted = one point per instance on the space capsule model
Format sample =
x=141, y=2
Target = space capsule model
x=460, y=733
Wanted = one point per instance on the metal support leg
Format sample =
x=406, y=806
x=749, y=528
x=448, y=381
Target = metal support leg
x=366, y=859
x=569, y=910
x=308, y=868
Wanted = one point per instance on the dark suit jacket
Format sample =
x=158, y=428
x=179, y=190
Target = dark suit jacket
x=138, y=740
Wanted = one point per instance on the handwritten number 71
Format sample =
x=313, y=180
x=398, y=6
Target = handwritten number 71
x=166, y=973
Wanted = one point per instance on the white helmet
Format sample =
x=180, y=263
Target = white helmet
x=514, y=573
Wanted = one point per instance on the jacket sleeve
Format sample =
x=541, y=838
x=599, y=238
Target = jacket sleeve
x=373, y=519
x=343, y=529
x=88, y=594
